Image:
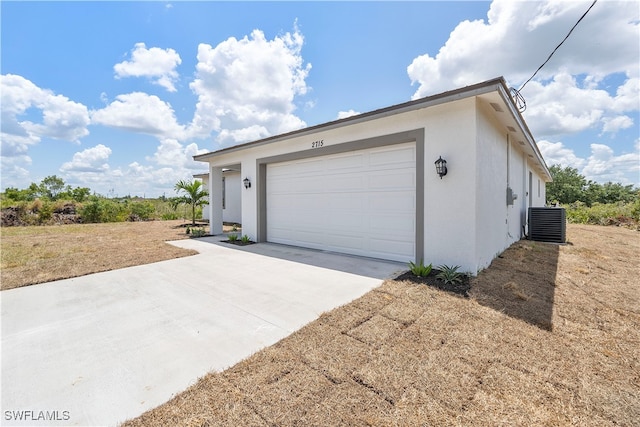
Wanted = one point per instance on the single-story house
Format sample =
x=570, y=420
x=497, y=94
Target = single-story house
x=376, y=185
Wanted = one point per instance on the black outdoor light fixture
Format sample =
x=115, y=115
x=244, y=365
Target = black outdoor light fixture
x=441, y=167
x=247, y=183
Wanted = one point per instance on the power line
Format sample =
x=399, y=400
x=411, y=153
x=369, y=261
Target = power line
x=522, y=105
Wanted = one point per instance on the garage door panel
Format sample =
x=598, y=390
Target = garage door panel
x=391, y=180
x=341, y=241
x=344, y=183
x=347, y=162
x=393, y=157
x=361, y=203
x=347, y=202
x=347, y=224
x=392, y=249
x=311, y=237
x=400, y=202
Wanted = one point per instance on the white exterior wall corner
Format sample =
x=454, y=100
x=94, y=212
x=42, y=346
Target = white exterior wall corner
x=449, y=212
x=502, y=163
x=491, y=188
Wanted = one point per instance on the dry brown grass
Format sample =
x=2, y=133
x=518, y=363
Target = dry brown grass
x=550, y=336
x=32, y=255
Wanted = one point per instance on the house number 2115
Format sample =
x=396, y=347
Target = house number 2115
x=317, y=144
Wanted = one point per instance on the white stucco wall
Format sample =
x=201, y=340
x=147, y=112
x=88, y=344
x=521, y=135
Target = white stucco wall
x=467, y=221
x=492, y=212
x=205, y=184
x=449, y=225
x=232, y=210
x=502, y=163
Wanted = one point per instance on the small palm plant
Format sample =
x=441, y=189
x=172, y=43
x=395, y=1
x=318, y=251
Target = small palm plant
x=449, y=274
x=194, y=195
x=420, y=270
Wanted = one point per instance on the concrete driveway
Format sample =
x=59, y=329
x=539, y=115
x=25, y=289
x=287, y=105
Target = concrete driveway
x=103, y=348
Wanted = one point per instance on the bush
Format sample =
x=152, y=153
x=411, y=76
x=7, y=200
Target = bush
x=170, y=216
x=420, y=270
x=90, y=212
x=198, y=232
x=604, y=214
x=102, y=210
x=142, y=210
x=449, y=274
x=45, y=213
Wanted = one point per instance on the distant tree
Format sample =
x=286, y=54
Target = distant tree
x=567, y=187
x=12, y=193
x=80, y=194
x=193, y=194
x=614, y=192
x=50, y=187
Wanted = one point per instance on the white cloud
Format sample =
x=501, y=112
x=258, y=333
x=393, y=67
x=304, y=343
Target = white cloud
x=614, y=124
x=61, y=118
x=172, y=153
x=627, y=96
x=602, y=165
x=345, y=114
x=246, y=88
x=519, y=35
x=14, y=171
x=90, y=160
x=155, y=63
x=556, y=153
x=171, y=162
x=563, y=106
x=140, y=112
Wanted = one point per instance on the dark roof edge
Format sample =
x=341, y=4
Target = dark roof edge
x=517, y=116
x=428, y=101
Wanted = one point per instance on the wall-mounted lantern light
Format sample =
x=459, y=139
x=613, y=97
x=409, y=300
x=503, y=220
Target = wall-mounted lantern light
x=441, y=167
x=247, y=183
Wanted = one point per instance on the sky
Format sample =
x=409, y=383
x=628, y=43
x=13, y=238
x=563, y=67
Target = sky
x=119, y=96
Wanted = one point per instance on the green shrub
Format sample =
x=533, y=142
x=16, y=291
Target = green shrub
x=420, y=270
x=143, y=210
x=102, y=210
x=167, y=216
x=198, y=232
x=45, y=213
x=603, y=214
x=449, y=274
x=233, y=237
x=90, y=211
x=245, y=239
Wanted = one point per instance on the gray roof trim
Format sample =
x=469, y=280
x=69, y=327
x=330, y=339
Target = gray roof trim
x=449, y=96
x=517, y=116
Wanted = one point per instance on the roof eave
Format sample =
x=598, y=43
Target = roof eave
x=449, y=96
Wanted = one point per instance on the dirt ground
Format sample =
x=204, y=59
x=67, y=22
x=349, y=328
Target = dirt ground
x=38, y=254
x=549, y=336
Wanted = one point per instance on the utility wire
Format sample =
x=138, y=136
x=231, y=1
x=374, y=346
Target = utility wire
x=522, y=105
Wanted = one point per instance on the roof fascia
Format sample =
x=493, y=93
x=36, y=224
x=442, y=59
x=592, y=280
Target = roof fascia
x=517, y=116
x=430, y=101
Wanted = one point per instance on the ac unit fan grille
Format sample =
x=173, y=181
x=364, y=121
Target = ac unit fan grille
x=548, y=225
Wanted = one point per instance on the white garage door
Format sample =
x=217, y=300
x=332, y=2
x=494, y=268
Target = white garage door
x=361, y=202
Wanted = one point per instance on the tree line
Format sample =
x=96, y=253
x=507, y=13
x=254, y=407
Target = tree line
x=569, y=187
x=38, y=203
